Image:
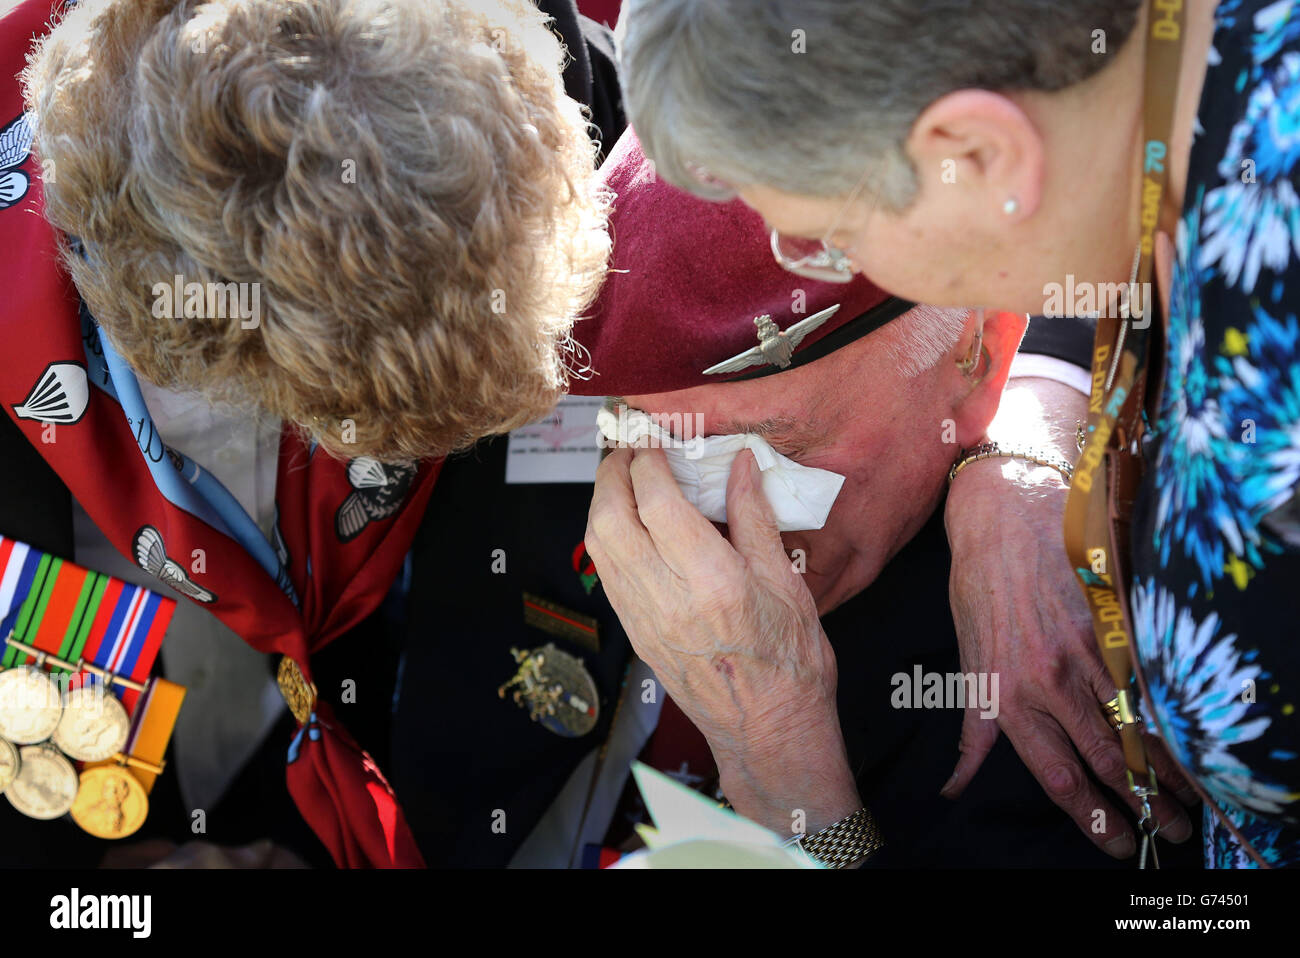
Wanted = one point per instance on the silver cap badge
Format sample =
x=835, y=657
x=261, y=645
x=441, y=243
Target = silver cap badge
x=774, y=346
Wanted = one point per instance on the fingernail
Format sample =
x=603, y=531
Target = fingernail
x=947, y=789
x=1122, y=847
x=1178, y=832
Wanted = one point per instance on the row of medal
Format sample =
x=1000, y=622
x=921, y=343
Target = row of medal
x=44, y=730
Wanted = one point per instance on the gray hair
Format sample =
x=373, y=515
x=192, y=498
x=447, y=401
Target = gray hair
x=921, y=337
x=807, y=96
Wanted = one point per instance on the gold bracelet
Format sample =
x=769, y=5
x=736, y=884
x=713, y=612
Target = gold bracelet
x=991, y=450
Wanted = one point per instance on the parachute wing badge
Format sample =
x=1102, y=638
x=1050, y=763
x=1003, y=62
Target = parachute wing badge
x=378, y=492
x=774, y=346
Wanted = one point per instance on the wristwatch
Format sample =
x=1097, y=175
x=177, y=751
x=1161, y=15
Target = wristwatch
x=845, y=843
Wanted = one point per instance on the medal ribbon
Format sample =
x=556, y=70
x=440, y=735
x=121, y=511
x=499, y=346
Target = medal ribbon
x=73, y=613
x=152, y=726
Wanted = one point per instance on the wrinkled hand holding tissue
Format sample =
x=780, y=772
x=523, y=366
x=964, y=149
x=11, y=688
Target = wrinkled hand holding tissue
x=801, y=497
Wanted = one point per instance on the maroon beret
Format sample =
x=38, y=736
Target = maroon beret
x=688, y=279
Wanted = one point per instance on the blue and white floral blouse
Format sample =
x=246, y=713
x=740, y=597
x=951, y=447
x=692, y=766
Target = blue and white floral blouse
x=1216, y=536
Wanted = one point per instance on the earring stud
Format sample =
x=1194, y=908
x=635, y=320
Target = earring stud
x=1011, y=206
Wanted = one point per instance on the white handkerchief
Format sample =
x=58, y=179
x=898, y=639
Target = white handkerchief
x=801, y=496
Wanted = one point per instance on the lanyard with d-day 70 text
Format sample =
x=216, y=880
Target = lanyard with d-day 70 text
x=1108, y=457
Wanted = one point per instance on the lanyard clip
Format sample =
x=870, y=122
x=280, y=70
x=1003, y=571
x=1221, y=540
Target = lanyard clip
x=1147, y=822
x=1149, y=827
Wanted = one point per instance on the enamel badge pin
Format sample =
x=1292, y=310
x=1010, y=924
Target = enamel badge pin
x=774, y=346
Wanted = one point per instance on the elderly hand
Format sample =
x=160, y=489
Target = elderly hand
x=1019, y=612
x=731, y=631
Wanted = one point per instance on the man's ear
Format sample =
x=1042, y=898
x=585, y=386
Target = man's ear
x=980, y=390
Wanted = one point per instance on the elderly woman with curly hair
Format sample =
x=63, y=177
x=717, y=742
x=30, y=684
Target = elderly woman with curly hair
x=270, y=259
x=1063, y=158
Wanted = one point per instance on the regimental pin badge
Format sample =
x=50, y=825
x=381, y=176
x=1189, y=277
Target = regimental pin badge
x=774, y=346
x=557, y=690
x=585, y=568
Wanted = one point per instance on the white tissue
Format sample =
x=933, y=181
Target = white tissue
x=801, y=496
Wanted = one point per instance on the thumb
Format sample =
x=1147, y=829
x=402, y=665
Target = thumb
x=751, y=524
x=977, y=738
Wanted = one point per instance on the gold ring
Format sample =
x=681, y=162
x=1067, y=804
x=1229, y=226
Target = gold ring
x=1111, y=711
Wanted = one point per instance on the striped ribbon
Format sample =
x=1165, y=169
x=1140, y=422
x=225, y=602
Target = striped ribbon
x=66, y=610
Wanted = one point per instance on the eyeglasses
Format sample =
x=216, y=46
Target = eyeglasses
x=821, y=259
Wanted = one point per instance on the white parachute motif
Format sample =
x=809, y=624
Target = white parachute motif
x=366, y=472
x=59, y=396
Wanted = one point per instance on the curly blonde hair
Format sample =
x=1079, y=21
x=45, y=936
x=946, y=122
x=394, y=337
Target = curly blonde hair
x=428, y=297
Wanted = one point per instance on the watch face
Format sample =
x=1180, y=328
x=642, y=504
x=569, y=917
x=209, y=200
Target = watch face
x=30, y=705
x=94, y=725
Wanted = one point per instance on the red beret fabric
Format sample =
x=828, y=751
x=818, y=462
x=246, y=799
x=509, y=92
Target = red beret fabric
x=687, y=279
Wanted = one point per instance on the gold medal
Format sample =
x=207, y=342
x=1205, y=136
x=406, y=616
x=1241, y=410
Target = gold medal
x=46, y=783
x=94, y=724
x=557, y=690
x=30, y=705
x=9, y=763
x=111, y=802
